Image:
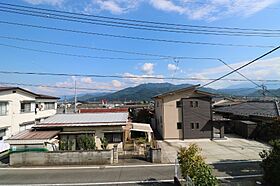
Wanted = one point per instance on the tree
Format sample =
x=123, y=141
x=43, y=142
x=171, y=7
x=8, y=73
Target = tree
x=192, y=164
x=104, y=143
x=271, y=163
x=87, y=142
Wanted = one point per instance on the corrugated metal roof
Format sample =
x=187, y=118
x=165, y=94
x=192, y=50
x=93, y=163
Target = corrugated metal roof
x=264, y=109
x=103, y=110
x=87, y=118
x=51, y=125
x=34, y=135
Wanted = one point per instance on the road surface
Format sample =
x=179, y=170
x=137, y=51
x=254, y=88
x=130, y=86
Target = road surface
x=161, y=174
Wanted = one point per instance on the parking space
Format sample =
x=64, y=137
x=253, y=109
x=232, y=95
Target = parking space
x=233, y=148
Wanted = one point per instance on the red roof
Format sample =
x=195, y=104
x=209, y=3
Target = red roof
x=102, y=110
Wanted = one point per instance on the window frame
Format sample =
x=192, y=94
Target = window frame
x=178, y=104
x=179, y=125
x=23, y=110
x=47, y=106
x=192, y=126
x=112, y=139
x=5, y=105
x=191, y=104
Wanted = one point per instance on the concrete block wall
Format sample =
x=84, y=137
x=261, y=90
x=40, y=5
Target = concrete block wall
x=62, y=158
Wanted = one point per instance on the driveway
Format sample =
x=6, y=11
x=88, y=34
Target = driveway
x=232, y=148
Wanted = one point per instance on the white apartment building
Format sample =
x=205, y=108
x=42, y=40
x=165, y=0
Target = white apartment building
x=20, y=109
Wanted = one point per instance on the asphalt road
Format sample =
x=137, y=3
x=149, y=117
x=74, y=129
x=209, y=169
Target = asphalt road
x=120, y=175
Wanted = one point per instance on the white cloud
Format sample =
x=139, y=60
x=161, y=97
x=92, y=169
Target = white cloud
x=209, y=10
x=167, y=5
x=212, y=9
x=116, y=83
x=148, y=68
x=49, y=2
x=87, y=80
x=116, y=6
x=139, y=79
x=172, y=67
x=263, y=69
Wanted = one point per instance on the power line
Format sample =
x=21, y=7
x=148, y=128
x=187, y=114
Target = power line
x=131, y=37
x=136, y=26
x=104, y=49
x=55, y=87
x=77, y=55
x=140, y=21
x=127, y=76
x=258, y=58
x=258, y=85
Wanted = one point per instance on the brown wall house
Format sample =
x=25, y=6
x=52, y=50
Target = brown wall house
x=184, y=114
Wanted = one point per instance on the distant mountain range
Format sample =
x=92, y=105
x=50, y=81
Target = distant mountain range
x=147, y=91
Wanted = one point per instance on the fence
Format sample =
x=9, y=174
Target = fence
x=98, y=157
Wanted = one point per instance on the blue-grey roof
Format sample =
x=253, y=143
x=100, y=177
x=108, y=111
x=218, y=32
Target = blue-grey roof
x=263, y=109
x=87, y=118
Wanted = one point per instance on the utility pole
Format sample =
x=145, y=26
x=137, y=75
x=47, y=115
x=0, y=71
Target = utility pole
x=75, y=101
x=263, y=90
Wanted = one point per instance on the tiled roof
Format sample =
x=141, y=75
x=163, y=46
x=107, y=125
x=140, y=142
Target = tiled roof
x=34, y=135
x=87, y=119
x=263, y=109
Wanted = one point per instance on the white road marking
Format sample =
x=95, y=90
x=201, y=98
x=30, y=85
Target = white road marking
x=241, y=176
x=86, y=167
x=129, y=182
x=100, y=183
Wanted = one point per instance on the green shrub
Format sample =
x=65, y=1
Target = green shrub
x=271, y=163
x=87, y=142
x=193, y=165
x=104, y=143
x=65, y=144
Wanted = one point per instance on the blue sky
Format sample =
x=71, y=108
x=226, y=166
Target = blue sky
x=226, y=13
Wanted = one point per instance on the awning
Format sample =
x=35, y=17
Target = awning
x=142, y=127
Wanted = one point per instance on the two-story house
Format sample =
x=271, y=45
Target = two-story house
x=20, y=109
x=185, y=114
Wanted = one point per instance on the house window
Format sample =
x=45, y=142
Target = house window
x=25, y=107
x=178, y=104
x=196, y=103
x=49, y=105
x=197, y=125
x=179, y=125
x=192, y=126
x=191, y=103
x=113, y=137
x=3, y=108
